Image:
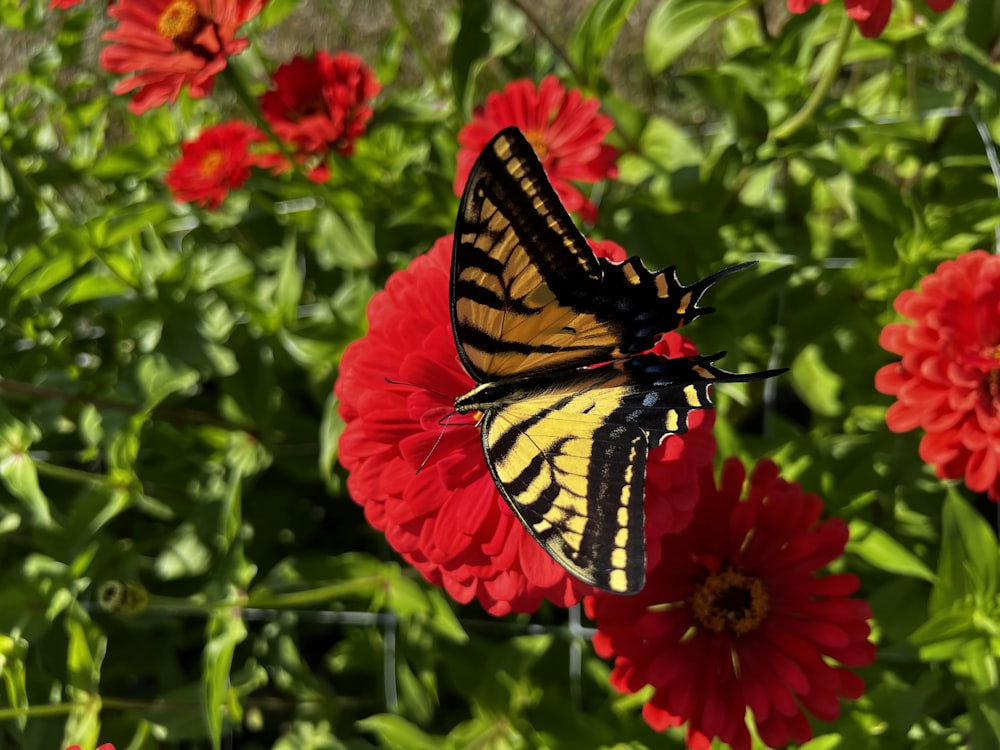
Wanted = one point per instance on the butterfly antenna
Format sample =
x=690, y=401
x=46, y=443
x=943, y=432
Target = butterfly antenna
x=445, y=424
x=443, y=421
x=403, y=383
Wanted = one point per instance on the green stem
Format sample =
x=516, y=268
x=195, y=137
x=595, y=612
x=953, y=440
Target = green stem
x=550, y=40
x=166, y=413
x=76, y=476
x=63, y=709
x=430, y=70
x=788, y=128
x=310, y=597
x=48, y=709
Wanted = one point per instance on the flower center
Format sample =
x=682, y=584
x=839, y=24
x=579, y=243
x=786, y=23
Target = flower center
x=731, y=601
x=179, y=22
x=993, y=378
x=210, y=163
x=538, y=143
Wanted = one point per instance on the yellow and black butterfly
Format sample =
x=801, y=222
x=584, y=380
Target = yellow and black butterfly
x=557, y=340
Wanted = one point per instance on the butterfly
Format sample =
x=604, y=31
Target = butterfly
x=568, y=397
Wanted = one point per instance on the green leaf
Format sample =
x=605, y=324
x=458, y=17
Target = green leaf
x=124, y=161
x=288, y=290
x=675, y=24
x=471, y=45
x=970, y=558
x=343, y=241
x=17, y=468
x=91, y=286
x=225, y=631
x=275, y=11
x=817, y=384
x=881, y=550
x=12, y=655
x=128, y=222
x=961, y=631
x=331, y=428
x=158, y=377
x=595, y=34
x=39, y=270
x=183, y=555
x=87, y=646
x=399, y=734
x=84, y=655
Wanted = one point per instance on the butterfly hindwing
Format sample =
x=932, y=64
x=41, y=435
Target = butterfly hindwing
x=570, y=458
x=576, y=482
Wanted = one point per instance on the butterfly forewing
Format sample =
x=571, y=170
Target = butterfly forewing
x=516, y=253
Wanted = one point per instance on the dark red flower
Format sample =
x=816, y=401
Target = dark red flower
x=63, y=4
x=396, y=386
x=563, y=127
x=321, y=104
x=172, y=43
x=215, y=162
x=870, y=15
x=105, y=746
x=734, y=616
x=948, y=382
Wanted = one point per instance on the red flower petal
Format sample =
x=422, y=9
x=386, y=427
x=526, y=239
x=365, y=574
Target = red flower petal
x=320, y=104
x=214, y=163
x=565, y=129
x=449, y=521
x=770, y=652
x=947, y=380
x=170, y=44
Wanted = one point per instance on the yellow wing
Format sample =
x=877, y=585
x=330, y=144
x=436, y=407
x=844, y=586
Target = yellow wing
x=576, y=483
x=570, y=458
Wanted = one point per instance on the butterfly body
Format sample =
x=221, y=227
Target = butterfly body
x=570, y=396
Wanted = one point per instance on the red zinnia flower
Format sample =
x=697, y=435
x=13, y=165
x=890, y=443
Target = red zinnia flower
x=105, y=746
x=396, y=386
x=948, y=382
x=735, y=617
x=321, y=103
x=563, y=127
x=218, y=160
x=63, y=4
x=170, y=43
x=870, y=15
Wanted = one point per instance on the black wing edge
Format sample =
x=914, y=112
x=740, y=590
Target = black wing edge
x=573, y=276
x=644, y=305
x=602, y=511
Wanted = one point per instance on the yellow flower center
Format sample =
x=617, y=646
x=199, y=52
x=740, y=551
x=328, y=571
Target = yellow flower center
x=731, y=601
x=179, y=22
x=210, y=162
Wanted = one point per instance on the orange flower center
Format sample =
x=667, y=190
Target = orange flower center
x=731, y=601
x=993, y=379
x=538, y=143
x=210, y=163
x=179, y=22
